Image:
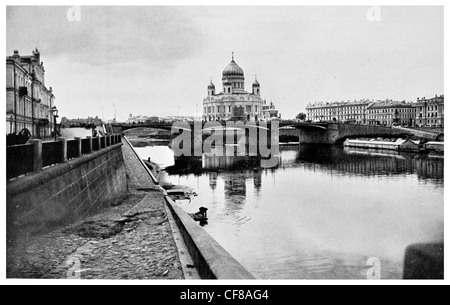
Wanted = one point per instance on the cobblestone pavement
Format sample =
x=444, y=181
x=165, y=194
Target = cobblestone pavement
x=132, y=240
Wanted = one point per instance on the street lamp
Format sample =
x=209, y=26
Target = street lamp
x=11, y=119
x=55, y=115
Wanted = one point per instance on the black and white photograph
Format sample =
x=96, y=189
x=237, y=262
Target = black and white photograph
x=251, y=142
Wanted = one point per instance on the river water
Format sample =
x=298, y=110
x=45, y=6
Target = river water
x=321, y=214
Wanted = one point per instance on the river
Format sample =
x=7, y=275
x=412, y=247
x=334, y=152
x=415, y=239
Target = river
x=321, y=214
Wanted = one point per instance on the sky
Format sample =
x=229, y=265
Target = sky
x=157, y=61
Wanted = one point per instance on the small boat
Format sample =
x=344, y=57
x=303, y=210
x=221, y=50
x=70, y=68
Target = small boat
x=435, y=146
x=201, y=215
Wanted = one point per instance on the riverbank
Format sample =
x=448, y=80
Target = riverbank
x=132, y=240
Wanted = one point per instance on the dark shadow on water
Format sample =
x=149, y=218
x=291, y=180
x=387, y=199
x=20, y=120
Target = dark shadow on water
x=371, y=162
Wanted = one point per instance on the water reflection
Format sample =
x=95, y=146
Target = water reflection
x=213, y=180
x=321, y=213
x=368, y=163
x=230, y=162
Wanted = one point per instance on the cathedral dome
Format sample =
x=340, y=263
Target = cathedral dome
x=211, y=85
x=233, y=69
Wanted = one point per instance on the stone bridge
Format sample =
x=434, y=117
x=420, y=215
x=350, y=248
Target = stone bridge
x=308, y=133
x=336, y=133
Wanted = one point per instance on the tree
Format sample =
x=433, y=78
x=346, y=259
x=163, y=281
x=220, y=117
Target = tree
x=301, y=116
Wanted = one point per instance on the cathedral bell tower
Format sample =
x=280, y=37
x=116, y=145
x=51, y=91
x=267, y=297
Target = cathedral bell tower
x=211, y=88
x=256, y=88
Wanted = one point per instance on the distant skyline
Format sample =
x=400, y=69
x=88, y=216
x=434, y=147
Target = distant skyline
x=157, y=61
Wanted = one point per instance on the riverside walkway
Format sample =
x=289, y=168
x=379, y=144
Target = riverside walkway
x=131, y=240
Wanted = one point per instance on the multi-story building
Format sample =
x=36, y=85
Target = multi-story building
x=390, y=113
x=347, y=112
x=430, y=112
x=141, y=119
x=233, y=101
x=269, y=111
x=90, y=121
x=28, y=101
x=425, y=112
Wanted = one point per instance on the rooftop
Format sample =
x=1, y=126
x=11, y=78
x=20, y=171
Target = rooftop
x=340, y=103
x=391, y=104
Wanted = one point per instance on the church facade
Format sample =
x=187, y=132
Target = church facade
x=233, y=102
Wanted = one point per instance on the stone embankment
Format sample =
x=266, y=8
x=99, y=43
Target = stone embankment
x=132, y=240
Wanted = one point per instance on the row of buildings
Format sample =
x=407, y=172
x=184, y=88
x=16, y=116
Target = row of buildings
x=233, y=102
x=30, y=105
x=81, y=122
x=425, y=112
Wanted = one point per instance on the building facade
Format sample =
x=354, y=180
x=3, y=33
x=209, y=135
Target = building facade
x=363, y=112
x=390, y=113
x=28, y=101
x=269, y=111
x=90, y=121
x=140, y=119
x=233, y=102
x=346, y=112
x=430, y=112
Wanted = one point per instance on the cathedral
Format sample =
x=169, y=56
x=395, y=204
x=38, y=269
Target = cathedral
x=233, y=102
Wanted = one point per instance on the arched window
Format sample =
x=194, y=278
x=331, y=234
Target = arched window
x=229, y=90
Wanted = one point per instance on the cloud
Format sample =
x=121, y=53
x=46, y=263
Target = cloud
x=105, y=35
x=158, y=60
